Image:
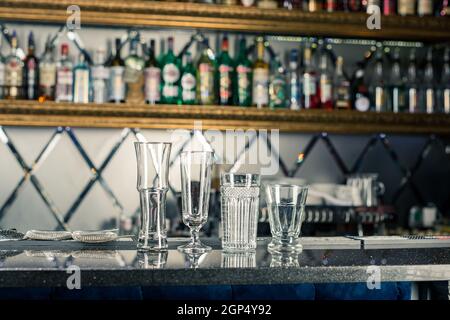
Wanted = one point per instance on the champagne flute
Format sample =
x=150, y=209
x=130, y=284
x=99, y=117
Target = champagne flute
x=196, y=169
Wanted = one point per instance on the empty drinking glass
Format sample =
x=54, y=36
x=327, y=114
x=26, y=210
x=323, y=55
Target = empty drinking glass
x=240, y=207
x=286, y=205
x=152, y=184
x=196, y=168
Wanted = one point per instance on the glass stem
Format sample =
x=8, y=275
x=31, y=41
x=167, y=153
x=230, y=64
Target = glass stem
x=195, y=239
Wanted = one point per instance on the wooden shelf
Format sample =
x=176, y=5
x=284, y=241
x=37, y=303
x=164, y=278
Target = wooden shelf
x=32, y=113
x=135, y=13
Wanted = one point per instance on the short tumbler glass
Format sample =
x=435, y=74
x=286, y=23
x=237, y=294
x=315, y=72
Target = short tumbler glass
x=152, y=184
x=286, y=205
x=239, y=195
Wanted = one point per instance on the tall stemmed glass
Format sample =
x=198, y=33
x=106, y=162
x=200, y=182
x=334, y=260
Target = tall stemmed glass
x=196, y=169
x=152, y=184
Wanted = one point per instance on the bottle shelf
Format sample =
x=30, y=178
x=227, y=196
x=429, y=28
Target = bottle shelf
x=110, y=115
x=135, y=13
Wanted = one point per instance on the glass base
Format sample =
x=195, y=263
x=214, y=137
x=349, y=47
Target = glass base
x=152, y=245
x=280, y=247
x=194, y=248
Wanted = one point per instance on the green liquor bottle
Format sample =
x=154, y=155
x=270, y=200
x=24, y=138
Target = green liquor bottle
x=188, y=82
x=170, y=75
x=243, y=77
x=277, y=87
x=205, y=76
x=225, y=70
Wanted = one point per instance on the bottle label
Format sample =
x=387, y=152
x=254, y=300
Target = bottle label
x=425, y=7
x=81, y=87
x=225, y=89
x=243, y=82
x=117, y=83
x=429, y=100
x=309, y=85
x=294, y=91
x=343, y=96
x=277, y=92
x=406, y=7
x=132, y=75
x=13, y=75
x=152, y=84
x=325, y=90
x=362, y=103
x=188, y=87
x=100, y=73
x=260, y=87
x=412, y=98
x=206, y=82
x=47, y=77
x=100, y=91
x=171, y=74
x=379, y=99
x=64, y=82
x=447, y=100
x=31, y=68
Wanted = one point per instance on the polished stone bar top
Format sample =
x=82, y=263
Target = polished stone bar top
x=45, y=264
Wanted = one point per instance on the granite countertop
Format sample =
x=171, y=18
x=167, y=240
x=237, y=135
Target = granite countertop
x=45, y=263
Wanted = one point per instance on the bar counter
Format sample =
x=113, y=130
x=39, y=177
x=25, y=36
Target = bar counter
x=44, y=264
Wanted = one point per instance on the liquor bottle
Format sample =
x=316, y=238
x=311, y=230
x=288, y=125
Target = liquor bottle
x=81, y=81
x=47, y=74
x=31, y=71
x=312, y=5
x=206, y=93
x=389, y=7
x=425, y=7
x=225, y=71
x=341, y=85
x=406, y=7
x=116, y=83
x=243, y=80
x=294, y=83
x=260, y=87
x=277, y=86
x=397, y=99
x=444, y=8
x=377, y=86
x=325, y=82
x=368, y=3
x=188, y=82
x=64, y=76
x=360, y=91
x=331, y=5
x=152, y=75
x=445, y=82
x=412, y=92
x=170, y=75
x=100, y=76
x=134, y=73
x=291, y=4
x=311, y=92
x=13, y=71
x=428, y=92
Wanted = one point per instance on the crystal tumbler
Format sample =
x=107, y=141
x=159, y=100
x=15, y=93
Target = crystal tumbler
x=286, y=204
x=152, y=184
x=239, y=195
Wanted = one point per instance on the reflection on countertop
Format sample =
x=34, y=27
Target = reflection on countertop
x=37, y=263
